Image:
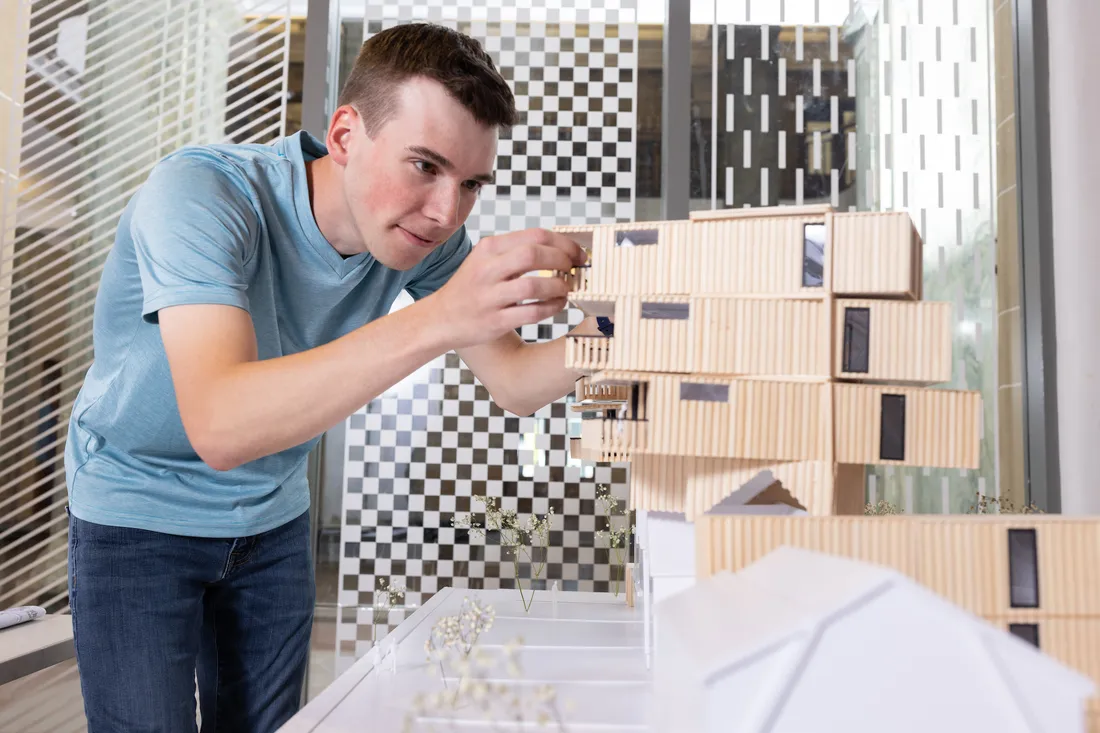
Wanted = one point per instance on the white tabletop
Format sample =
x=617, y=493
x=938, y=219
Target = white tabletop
x=588, y=646
x=28, y=647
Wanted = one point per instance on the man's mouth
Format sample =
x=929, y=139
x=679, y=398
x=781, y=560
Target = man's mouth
x=416, y=238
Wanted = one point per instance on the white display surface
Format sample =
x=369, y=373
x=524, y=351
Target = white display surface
x=588, y=646
x=35, y=645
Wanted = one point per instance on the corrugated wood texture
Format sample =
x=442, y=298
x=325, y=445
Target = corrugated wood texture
x=694, y=485
x=965, y=558
x=1068, y=553
x=750, y=255
x=875, y=253
x=1092, y=712
x=653, y=269
x=963, y=561
x=750, y=336
x=654, y=344
x=905, y=341
x=942, y=427
x=761, y=419
x=733, y=542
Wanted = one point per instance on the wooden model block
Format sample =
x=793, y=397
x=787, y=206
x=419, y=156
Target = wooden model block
x=907, y=426
x=887, y=340
x=741, y=336
x=876, y=254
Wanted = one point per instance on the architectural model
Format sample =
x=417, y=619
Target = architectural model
x=802, y=641
x=750, y=364
x=786, y=339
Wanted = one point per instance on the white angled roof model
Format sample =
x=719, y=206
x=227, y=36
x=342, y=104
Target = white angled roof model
x=805, y=641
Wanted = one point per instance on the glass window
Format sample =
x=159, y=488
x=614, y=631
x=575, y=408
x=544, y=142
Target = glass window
x=668, y=311
x=892, y=438
x=1027, y=632
x=636, y=237
x=704, y=392
x=857, y=328
x=1023, y=569
x=813, y=255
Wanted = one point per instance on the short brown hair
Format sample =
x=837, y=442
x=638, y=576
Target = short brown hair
x=455, y=60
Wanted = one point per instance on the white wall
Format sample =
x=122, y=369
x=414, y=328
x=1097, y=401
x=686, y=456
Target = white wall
x=1075, y=160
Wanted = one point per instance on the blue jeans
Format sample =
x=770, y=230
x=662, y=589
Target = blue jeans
x=151, y=611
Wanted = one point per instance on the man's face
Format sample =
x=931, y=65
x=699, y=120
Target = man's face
x=412, y=186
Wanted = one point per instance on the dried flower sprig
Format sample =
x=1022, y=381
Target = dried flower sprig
x=1000, y=505
x=521, y=539
x=881, y=508
x=497, y=701
x=386, y=597
x=616, y=537
x=454, y=637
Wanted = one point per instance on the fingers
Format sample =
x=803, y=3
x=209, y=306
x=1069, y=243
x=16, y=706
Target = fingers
x=524, y=258
x=517, y=244
x=531, y=288
x=524, y=315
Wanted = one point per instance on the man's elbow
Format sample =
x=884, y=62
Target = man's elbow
x=212, y=447
x=515, y=404
x=215, y=454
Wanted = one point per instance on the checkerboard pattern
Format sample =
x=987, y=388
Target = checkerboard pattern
x=416, y=456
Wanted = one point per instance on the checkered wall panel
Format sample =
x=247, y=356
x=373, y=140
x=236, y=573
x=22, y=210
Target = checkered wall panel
x=418, y=455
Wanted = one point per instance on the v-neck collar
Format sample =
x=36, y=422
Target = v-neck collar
x=300, y=147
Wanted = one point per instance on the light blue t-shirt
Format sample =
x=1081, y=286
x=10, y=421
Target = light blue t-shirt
x=228, y=224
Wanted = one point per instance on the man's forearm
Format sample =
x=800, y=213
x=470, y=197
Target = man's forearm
x=262, y=407
x=538, y=374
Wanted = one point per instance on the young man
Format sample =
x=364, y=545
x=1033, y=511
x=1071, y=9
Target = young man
x=242, y=312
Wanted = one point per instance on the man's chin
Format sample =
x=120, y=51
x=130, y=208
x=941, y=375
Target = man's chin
x=399, y=255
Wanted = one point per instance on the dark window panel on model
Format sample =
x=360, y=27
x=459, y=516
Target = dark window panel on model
x=892, y=428
x=1027, y=632
x=813, y=255
x=667, y=311
x=857, y=332
x=636, y=237
x=1023, y=569
x=704, y=392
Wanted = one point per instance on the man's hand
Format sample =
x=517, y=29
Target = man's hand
x=489, y=296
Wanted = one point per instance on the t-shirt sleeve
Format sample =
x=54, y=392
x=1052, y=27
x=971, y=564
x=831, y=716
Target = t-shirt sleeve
x=193, y=227
x=440, y=265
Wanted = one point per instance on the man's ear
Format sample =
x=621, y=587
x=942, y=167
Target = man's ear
x=341, y=131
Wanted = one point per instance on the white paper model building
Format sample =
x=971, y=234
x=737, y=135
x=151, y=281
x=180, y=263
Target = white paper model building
x=805, y=641
x=668, y=543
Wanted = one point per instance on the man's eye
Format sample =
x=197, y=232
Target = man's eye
x=473, y=185
x=425, y=166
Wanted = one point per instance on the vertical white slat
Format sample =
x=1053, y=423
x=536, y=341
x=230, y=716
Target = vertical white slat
x=157, y=75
